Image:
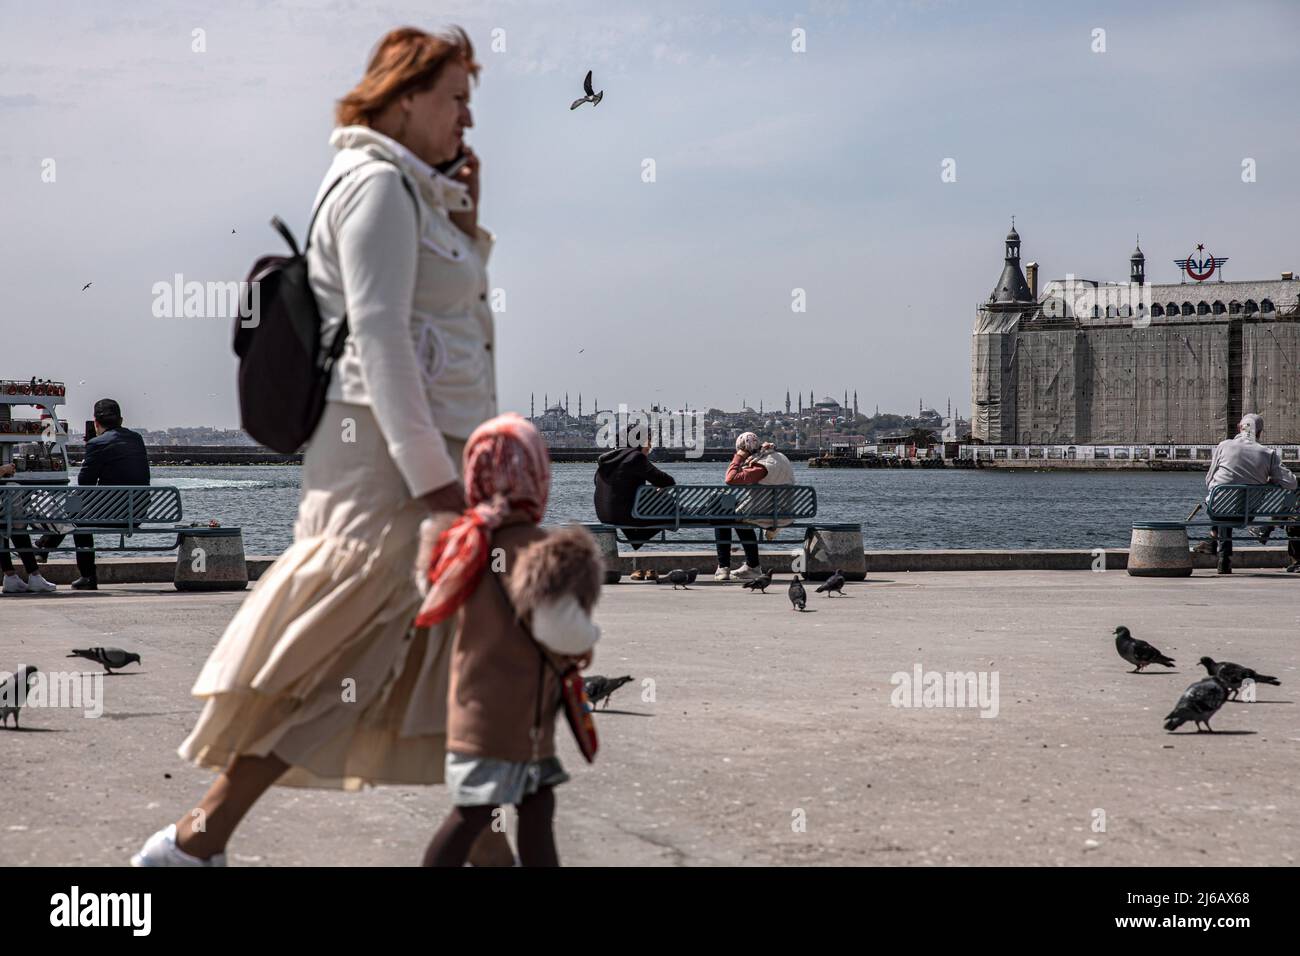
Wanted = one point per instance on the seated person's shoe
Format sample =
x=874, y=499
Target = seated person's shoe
x=1225, y=567
x=1293, y=568
x=14, y=585
x=722, y=574
x=36, y=582
x=85, y=584
x=161, y=850
x=746, y=574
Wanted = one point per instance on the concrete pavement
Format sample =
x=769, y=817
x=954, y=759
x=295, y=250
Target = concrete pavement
x=770, y=738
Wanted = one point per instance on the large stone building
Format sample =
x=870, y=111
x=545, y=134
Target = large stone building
x=1089, y=362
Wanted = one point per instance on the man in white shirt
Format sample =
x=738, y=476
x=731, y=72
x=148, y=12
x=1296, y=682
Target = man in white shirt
x=1242, y=460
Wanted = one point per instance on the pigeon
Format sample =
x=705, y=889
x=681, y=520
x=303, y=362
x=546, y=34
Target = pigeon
x=591, y=97
x=86, y=286
x=677, y=577
x=110, y=657
x=798, y=596
x=760, y=583
x=1198, y=704
x=1233, y=675
x=834, y=584
x=11, y=698
x=1138, y=653
x=600, y=688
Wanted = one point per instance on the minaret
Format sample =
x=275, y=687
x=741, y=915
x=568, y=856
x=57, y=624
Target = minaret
x=580, y=405
x=855, y=404
x=801, y=404
x=546, y=403
x=1137, y=266
x=845, y=406
x=532, y=407
x=787, y=401
x=566, y=404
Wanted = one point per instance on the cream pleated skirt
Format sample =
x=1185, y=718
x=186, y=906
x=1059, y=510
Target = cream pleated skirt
x=320, y=666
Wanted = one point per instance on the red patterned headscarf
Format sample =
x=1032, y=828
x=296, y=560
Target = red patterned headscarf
x=507, y=468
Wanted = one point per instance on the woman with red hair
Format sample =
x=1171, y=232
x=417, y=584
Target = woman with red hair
x=319, y=679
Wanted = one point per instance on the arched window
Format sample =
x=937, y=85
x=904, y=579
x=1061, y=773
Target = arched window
x=1234, y=307
x=1171, y=308
x=1251, y=307
x=1157, y=309
x=1265, y=305
x=1202, y=308
x=1187, y=309
x=1219, y=309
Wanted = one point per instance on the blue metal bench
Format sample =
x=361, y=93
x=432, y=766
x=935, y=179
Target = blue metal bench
x=1245, y=506
x=121, y=510
x=209, y=558
x=679, y=508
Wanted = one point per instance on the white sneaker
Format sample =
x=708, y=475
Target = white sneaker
x=722, y=574
x=161, y=850
x=14, y=585
x=36, y=582
x=746, y=573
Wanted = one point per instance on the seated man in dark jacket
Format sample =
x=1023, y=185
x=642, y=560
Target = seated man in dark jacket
x=619, y=473
x=116, y=456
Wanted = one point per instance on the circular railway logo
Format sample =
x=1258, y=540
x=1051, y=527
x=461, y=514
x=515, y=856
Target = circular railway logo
x=1200, y=265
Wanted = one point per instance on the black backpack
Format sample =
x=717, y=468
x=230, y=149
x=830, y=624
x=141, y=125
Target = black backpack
x=283, y=372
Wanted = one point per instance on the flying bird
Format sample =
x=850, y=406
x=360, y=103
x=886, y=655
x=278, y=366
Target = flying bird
x=798, y=596
x=834, y=584
x=86, y=286
x=600, y=688
x=1138, y=653
x=11, y=697
x=1234, y=675
x=1198, y=704
x=109, y=657
x=760, y=583
x=592, y=97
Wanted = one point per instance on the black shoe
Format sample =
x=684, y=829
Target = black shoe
x=1293, y=568
x=85, y=584
x=1223, y=569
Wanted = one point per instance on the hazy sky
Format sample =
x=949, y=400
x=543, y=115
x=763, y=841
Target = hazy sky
x=775, y=170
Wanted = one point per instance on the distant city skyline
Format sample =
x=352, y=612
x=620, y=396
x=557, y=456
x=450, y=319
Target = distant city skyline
x=869, y=179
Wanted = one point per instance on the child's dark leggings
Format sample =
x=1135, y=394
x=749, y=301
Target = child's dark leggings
x=451, y=844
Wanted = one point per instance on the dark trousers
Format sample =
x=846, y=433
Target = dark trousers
x=1222, y=538
x=28, y=559
x=748, y=540
x=85, y=559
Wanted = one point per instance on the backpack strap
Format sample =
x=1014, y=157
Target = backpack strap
x=340, y=336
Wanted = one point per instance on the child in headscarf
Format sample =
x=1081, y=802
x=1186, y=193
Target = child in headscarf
x=497, y=568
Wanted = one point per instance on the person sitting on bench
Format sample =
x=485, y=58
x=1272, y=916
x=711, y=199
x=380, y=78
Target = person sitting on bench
x=13, y=584
x=116, y=456
x=619, y=473
x=1242, y=460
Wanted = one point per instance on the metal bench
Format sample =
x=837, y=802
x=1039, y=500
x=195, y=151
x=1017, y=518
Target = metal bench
x=1245, y=506
x=210, y=558
x=827, y=546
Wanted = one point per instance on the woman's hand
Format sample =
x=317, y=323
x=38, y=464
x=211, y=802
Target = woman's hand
x=468, y=176
x=447, y=498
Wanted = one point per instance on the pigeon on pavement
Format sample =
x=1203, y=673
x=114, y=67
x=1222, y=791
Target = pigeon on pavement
x=834, y=584
x=110, y=657
x=11, y=696
x=1198, y=704
x=592, y=97
x=1234, y=675
x=798, y=596
x=600, y=688
x=760, y=583
x=1138, y=653
x=677, y=577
